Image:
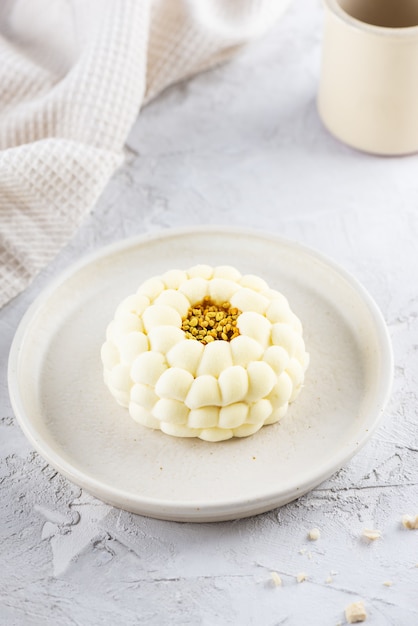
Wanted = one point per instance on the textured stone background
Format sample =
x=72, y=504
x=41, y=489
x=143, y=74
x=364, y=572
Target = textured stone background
x=238, y=145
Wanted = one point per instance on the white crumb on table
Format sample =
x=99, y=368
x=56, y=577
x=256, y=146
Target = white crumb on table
x=372, y=534
x=277, y=581
x=410, y=522
x=314, y=534
x=355, y=612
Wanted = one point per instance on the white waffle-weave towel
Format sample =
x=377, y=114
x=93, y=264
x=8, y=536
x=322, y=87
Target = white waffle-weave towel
x=73, y=76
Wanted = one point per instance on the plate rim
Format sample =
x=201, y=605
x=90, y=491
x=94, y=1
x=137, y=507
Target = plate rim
x=196, y=510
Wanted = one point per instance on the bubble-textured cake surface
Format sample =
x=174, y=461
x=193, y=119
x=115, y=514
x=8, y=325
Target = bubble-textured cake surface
x=206, y=352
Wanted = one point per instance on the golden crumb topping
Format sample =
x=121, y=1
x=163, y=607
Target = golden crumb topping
x=208, y=321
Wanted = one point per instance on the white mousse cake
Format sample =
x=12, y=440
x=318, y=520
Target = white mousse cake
x=206, y=352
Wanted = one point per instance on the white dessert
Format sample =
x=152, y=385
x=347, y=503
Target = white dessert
x=206, y=353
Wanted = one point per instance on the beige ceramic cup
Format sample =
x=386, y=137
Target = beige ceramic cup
x=368, y=92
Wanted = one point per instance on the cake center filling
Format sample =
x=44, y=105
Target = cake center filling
x=209, y=321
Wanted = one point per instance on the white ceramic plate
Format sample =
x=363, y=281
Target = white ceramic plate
x=63, y=407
